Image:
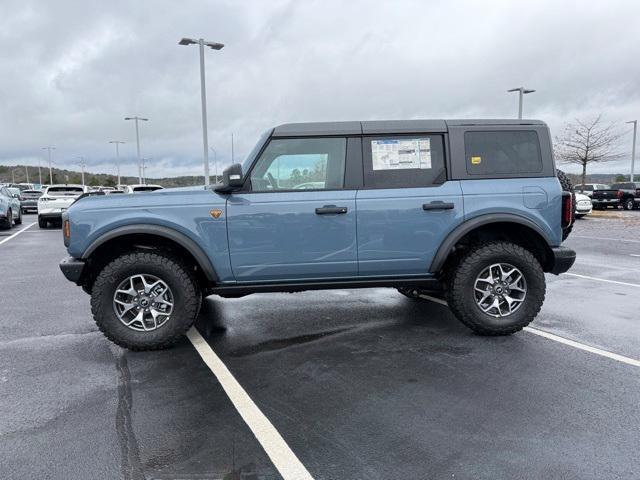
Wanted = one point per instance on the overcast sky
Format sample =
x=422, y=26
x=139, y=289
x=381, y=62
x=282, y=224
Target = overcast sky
x=71, y=70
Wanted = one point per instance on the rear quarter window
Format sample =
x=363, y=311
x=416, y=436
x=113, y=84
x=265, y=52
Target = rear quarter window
x=502, y=152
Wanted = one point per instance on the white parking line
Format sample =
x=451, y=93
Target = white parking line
x=602, y=280
x=582, y=346
x=634, y=255
x=272, y=442
x=565, y=341
x=17, y=233
x=605, y=238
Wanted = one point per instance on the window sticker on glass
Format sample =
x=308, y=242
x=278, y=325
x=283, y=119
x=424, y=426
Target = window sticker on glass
x=395, y=154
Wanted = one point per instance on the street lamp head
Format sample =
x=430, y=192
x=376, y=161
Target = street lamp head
x=631, y=121
x=214, y=45
x=515, y=89
x=187, y=41
x=527, y=91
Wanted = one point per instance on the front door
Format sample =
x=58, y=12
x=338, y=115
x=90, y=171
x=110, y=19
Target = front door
x=295, y=221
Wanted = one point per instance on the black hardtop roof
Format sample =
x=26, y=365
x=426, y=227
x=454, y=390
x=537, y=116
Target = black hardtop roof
x=373, y=127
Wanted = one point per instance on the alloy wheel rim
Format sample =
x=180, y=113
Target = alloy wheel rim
x=500, y=290
x=143, y=302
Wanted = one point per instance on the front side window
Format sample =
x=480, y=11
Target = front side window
x=502, y=152
x=300, y=164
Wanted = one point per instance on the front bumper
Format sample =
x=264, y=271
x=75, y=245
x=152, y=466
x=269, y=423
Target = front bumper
x=563, y=259
x=72, y=268
x=605, y=201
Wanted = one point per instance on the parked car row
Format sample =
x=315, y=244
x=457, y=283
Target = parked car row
x=49, y=202
x=623, y=194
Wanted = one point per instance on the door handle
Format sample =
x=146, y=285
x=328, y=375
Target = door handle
x=330, y=210
x=438, y=206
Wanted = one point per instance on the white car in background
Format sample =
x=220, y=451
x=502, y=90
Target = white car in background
x=55, y=200
x=139, y=188
x=583, y=205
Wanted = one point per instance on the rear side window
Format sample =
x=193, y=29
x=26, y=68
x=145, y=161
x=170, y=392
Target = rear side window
x=502, y=152
x=397, y=161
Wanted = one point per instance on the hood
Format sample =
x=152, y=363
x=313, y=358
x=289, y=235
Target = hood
x=158, y=198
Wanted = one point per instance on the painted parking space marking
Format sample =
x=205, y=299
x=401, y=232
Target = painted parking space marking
x=17, y=233
x=617, y=282
x=605, y=238
x=283, y=458
x=565, y=341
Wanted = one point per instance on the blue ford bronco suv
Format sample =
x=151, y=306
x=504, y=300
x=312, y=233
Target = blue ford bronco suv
x=472, y=208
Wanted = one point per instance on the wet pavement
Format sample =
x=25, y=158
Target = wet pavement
x=361, y=384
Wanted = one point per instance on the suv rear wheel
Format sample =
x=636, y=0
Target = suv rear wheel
x=628, y=204
x=496, y=289
x=145, y=301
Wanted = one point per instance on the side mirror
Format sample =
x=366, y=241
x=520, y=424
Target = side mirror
x=16, y=195
x=231, y=179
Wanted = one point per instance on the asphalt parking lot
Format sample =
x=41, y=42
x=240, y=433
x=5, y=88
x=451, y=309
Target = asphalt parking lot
x=360, y=384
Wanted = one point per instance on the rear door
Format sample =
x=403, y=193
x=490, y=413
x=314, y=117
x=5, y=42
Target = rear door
x=296, y=221
x=407, y=207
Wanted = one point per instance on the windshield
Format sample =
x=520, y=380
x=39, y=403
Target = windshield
x=254, y=151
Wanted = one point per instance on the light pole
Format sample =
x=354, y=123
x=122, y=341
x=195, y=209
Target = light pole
x=522, y=91
x=203, y=95
x=39, y=172
x=215, y=162
x=50, y=171
x=117, y=142
x=136, y=118
x=26, y=169
x=144, y=170
x=633, y=149
x=82, y=164
x=13, y=175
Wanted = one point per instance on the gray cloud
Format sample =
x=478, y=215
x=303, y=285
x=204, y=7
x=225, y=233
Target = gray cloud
x=73, y=70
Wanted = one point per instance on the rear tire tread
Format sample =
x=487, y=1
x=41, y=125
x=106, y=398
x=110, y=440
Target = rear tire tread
x=457, y=295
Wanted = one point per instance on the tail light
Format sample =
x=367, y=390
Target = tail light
x=619, y=194
x=567, y=209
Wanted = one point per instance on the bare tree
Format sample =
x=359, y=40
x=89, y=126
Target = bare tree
x=585, y=142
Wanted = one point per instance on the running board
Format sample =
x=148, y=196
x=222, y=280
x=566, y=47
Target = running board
x=427, y=283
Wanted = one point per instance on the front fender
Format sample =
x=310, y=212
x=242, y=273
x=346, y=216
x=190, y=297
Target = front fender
x=162, y=231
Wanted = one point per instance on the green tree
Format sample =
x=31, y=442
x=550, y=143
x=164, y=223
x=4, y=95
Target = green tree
x=622, y=178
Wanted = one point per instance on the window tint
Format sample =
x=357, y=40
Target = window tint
x=65, y=190
x=300, y=164
x=396, y=161
x=502, y=152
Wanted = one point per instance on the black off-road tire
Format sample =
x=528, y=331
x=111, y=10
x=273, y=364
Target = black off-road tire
x=42, y=223
x=567, y=186
x=18, y=221
x=460, y=288
x=187, y=299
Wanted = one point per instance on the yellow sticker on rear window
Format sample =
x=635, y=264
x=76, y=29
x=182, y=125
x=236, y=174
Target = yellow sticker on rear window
x=476, y=160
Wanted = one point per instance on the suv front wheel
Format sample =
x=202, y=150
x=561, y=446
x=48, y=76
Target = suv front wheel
x=496, y=289
x=145, y=300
